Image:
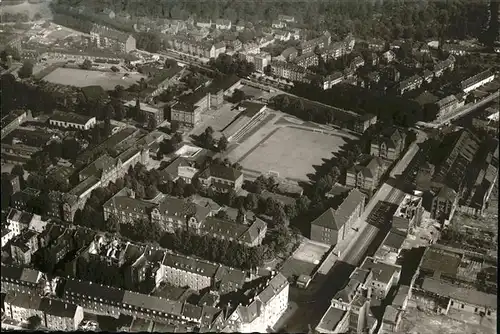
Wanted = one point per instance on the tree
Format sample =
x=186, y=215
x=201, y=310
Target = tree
x=26, y=70
x=115, y=69
x=222, y=214
x=18, y=170
x=251, y=201
x=151, y=191
x=222, y=143
x=34, y=322
x=240, y=218
x=118, y=92
x=113, y=224
x=86, y=65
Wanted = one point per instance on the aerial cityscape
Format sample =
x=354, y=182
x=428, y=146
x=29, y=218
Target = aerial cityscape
x=278, y=166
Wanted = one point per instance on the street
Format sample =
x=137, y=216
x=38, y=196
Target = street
x=324, y=287
x=468, y=108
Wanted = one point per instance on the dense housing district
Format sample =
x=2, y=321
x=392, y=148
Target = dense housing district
x=321, y=167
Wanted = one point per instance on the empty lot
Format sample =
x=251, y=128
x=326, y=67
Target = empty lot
x=82, y=78
x=292, y=152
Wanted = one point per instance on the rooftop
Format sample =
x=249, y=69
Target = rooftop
x=70, y=117
x=382, y=272
x=337, y=218
x=471, y=296
x=58, y=308
x=331, y=319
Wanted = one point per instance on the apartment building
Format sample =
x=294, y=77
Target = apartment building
x=250, y=233
x=321, y=42
x=289, y=71
x=70, y=120
x=22, y=280
x=184, y=271
x=21, y=306
x=389, y=145
x=366, y=175
x=477, y=81
x=18, y=220
x=59, y=315
x=307, y=59
x=222, y=24
x=171, y=213
x=204, y=24
x=221, y=178
x=23, y=247
x=107, y=38
x=408, y=215
x=261, y=61
x=334, y=225
x=447, y=64
x=187, y=110
x=262, y=311
x=13, y=120
x=153, y=116
x=204, y=49
x=411, y=83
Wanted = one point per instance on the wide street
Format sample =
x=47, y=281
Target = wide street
x=312, y=305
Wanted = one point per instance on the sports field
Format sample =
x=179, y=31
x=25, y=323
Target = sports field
x=82, y=78
x=292, y=152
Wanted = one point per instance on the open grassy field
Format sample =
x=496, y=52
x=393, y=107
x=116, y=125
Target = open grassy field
x=292, y=152
x=82, y=78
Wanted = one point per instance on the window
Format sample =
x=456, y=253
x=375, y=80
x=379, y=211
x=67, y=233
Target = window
x=463, y=305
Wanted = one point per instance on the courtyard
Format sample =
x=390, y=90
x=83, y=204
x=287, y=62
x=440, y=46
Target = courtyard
x=292, y=152
x=303, y=261
x=83, y=78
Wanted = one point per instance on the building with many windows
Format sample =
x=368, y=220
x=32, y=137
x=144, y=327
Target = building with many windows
x=107, y=38
x=389, y=145
x=334, y=225
x=222, y=178
x=72, y=121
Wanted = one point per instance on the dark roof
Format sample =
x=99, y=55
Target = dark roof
x=152, y=303
x=368, y=167
x=251, y=108
x=84, y=288
x=24, y=300
x=190, y=264
x=222, y=172
x=382, y=271
x=395, y=239
x=224, y=83
x=110, y=33
x=335, y=219
x=58, y=308
x=71, y=118
x=191, y=311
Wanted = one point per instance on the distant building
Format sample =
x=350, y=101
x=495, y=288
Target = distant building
x=447, y=64
x=221, y=178
x=286, y=18
x=409, y=84
x=334, y=225
x=307, y=59
x=366, y=175
x=12, y=121
x=204, y=24
x=447, y=105
x=107, y=38
x=222, y=24
x=72, y=120
x=321, y=42
x=389, y=56
x=261, y=61
x=153, y=116
x=408, y=215
x=388, y=145
x=289, y=71
x=477, y=81
x=250, y=233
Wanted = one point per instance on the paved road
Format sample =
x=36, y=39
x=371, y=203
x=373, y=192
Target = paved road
x=325, y=286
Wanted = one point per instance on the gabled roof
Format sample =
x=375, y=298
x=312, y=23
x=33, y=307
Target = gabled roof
x=368, y=167
x=335, y=219
x=110, y=33
x=58, y=308
x=222, y=172
x=152, y=303
x=185, y=263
